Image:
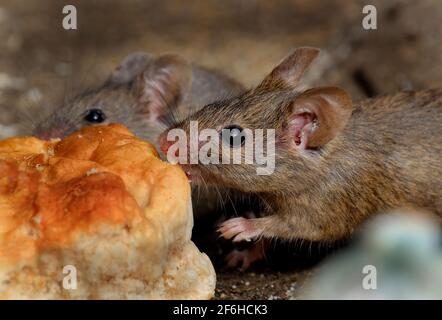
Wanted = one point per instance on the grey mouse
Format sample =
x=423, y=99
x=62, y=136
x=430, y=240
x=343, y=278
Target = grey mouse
x=144, y=93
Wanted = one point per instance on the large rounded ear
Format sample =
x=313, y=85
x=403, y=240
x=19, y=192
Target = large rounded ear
x=318, y=115
x=288, y=73
x=163, y=86
x=130, y=67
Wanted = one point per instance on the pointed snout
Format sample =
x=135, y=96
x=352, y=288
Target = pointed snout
x=52, y=133
x=163, y=143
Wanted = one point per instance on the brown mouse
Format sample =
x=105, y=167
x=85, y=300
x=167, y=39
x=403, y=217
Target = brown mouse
x=337, y=163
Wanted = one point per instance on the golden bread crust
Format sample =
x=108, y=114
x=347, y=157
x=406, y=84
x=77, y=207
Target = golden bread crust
x=102, y=201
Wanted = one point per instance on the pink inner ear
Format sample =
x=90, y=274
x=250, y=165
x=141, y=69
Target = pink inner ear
x=300, y=126
x=154, y=97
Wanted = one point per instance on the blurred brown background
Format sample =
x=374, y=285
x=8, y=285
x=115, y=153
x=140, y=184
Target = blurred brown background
x=41, y=64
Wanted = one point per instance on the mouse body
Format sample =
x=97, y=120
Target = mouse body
x=336, y=163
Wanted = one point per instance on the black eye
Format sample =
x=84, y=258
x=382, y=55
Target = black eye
x=95, y=116
x=233, y=136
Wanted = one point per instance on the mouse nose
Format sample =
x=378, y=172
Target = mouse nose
x=164, y=144
x=50, y=133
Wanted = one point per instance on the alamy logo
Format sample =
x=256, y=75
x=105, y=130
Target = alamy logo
x=369, y=282
x=369, y=22
x=230, y=146
x=70, y=278
x=70, y=18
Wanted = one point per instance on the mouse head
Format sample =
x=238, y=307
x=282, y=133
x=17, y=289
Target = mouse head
x=304, y=124
x=142, y=93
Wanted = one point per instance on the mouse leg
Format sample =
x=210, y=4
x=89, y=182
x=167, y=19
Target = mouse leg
x=242, y=229
x=273, y=226
x=245, y=258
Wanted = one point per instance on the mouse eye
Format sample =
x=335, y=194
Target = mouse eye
x=95, y=116
x=233, y=136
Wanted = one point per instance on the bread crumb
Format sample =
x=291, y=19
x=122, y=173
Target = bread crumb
x=51, y=152
x=37, y=219
x=91, y=171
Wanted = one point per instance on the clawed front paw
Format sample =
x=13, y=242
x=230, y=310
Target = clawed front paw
x=240, y=229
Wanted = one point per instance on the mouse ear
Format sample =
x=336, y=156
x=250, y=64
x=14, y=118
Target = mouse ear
x=318, y=115
x=130, y=67
x=163, y=86
x=290, y=70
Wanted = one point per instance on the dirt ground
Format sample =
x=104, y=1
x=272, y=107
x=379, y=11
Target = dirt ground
x=262, y=285
x=41, y=64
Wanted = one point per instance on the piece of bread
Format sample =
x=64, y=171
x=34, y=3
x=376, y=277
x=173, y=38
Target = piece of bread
x=99, y=205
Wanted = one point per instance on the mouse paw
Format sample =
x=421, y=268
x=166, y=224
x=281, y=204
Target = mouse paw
x=240, y=229
x=245, y=258
x=239, y=257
